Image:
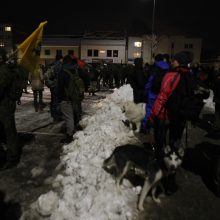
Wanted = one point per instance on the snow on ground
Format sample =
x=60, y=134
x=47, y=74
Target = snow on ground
x=209, y=104
x=84, y=190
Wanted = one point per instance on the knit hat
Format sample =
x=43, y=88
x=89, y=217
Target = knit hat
x=158, y=57
x=59, y=56
x=183, y=57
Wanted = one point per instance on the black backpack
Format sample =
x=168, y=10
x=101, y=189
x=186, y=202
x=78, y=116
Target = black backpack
x=186, y=101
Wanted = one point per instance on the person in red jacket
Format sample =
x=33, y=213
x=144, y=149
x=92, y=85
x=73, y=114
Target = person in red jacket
x=160, y=113
x=162, y=117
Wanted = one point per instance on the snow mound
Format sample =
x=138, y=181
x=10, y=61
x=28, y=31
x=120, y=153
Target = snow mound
x=87, y=191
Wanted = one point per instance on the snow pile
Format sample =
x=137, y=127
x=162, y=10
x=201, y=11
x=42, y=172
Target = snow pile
x=87, y=191
x=209, y=104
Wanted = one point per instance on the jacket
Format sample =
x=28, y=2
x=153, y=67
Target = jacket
x=169, y=83
x=150, y=95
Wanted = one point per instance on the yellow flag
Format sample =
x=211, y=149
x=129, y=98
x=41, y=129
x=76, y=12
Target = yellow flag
x=30, y=49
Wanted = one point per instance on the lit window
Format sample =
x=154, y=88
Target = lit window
x=102, y=51
x=137, y=55
x=8, y=28
x=2, y=44
x=137, y=44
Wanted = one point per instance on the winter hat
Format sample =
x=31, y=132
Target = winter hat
x=183, y=57
x=59, y=56
x=158, y=57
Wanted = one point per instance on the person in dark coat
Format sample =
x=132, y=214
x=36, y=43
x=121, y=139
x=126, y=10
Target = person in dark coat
x=137, y=81
x=69, y=103
x=7, y=114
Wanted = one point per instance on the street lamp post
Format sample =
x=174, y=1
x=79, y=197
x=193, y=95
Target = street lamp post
x=152, y=29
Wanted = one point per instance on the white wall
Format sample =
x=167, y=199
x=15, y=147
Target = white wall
x=103, y=45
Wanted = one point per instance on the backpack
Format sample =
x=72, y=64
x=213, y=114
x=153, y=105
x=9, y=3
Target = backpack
x=76, y=88
x=51, y=75
x=157, y=79
x=186, y=101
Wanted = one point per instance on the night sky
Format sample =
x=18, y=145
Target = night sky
x=195, y=18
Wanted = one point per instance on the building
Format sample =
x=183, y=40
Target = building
x=53, y=45
x=98, y=50
x=6, y=40
x=117, y=49
x=148, y=46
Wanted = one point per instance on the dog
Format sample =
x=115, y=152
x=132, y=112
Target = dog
x=127, y=157
x=134, y=113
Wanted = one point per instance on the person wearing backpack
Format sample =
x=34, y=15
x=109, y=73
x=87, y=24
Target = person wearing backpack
x=50, y=78
x=69, y=94
x=152, y=87
x=163, y=118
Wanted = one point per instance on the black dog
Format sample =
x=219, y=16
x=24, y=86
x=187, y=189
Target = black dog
x=127, y=157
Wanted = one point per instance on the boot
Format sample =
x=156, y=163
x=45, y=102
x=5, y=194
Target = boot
x=36, y=107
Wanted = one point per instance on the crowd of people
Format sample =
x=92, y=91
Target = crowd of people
x=68, y=81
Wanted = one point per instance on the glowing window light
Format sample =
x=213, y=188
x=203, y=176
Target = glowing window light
x=2, y=44
x=137, y=55
x=102, y=51
x=137, y=44
x=8, y=28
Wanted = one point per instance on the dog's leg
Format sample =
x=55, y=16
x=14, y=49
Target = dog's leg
x=120, y=176
x=153, y=192
x=138, y=126
x=143, y=194
x=146, y=188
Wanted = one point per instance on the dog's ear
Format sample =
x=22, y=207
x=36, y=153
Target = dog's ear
x=181, y=151
x=167, y=149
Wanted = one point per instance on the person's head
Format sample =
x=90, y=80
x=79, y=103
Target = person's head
x=166, y=57
x=183, y=58
x=158, y=57
x=138, y=62
x=67, y=59
x=58, y=57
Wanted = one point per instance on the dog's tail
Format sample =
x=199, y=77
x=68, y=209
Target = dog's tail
x=109, y=163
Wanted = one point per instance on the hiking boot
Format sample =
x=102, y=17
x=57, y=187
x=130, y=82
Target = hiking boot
x=68, y=139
